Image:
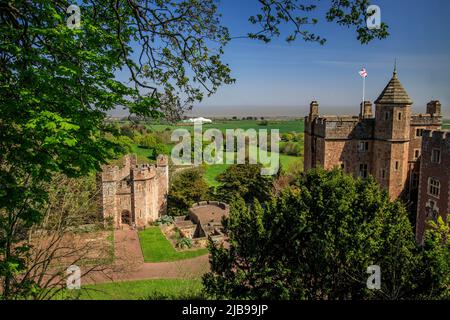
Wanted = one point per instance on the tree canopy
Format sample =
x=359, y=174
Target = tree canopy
x=57, y=85
x=316, y=241
x=245, y=181
x=187, y=188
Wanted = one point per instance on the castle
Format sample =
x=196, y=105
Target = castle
x=386, y=145
x=133, y=194
x=434, y=183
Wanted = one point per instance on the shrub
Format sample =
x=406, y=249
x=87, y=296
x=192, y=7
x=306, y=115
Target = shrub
x=184, y=243
x=164, y=220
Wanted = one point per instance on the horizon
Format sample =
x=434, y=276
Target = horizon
x=288, y=76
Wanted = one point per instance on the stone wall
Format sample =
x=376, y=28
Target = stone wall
x=137, y=191
x=394, y=147
x=429, y=204
x=332, y=141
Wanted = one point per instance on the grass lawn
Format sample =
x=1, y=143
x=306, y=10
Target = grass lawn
x=157, y=289
x=143, y=155
x=212, y=171
x=156, y=247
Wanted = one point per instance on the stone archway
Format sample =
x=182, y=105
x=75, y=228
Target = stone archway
x=125, y=217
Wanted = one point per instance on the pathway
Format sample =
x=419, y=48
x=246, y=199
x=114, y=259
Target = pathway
x=129, y=263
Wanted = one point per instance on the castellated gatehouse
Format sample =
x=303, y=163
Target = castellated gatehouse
x=134, y=194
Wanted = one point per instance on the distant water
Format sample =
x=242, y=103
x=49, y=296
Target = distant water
x=270, y=111
x=266, y=111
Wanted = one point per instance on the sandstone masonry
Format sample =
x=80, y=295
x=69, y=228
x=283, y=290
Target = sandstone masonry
x=134, y=194
x=386, y=144
x=434, y=184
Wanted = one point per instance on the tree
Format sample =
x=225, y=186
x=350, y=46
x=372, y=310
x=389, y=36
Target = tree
x=53, y=244
x=295, y=13
x=435, y=252
x=316, y=241
x=153, y=142
x=57, y=85
x=244, y=181
x=188, y=187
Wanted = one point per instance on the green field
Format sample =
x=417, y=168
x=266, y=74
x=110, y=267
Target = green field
x=143, y=155
x=212, y=171
x=157, y=289
x=446, y=124
x=283, y=126
x=156, y=247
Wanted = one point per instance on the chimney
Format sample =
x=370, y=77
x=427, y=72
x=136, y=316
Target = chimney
x=366, y=110
x=314, y=109
x=434, y=108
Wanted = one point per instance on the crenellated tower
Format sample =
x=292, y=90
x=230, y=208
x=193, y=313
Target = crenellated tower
x=134, y=194
x=391, y=137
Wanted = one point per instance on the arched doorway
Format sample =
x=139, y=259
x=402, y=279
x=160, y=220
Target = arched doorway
x=126, y=217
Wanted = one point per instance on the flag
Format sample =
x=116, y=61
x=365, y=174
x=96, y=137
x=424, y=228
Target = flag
x=363, y=73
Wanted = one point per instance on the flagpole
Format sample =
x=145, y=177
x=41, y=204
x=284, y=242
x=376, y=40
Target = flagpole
x=364, y=90
x=363, y=74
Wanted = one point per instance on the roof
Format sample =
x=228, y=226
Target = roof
x=210, y=213
x=394, y=93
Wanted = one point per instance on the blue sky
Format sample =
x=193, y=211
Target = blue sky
x=281, y=78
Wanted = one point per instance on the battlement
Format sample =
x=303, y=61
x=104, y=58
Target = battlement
x=426, y=119
x=343, y=127
x=437, y=135
x=134, y=193
x=116, y=173
x=143, y=172
x=218, y=204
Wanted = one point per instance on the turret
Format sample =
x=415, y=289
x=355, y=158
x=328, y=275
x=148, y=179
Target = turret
x=393, y=112
x=392, y=134
x=314, y=109
x=366, y=110
x=434, y=108
x=162, y=160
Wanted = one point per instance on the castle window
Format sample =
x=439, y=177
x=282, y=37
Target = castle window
x=397, y=165
x=436, y=156
x=419, y=132
x=363, y=170
x=416, y=153
x=386, y=116
x=434, y=187
x=383, y=174
x=399, y=116
x=363, y=146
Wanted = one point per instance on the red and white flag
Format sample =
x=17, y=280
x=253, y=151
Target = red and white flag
x=363, y=73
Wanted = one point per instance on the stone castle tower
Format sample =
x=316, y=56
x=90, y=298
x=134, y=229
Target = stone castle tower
x=434, y=184
x=391, y=137
x=385, y=144
x=134, y=194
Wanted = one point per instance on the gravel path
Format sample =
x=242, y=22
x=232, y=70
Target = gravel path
x=129, y=263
